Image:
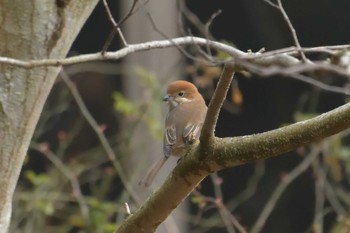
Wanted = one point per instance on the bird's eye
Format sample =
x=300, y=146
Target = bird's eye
x=181, y=93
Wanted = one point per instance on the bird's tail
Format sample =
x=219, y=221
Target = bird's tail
x=152, y=172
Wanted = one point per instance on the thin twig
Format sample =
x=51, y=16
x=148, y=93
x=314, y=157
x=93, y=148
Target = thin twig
x=130, y=13
x=85, y=112
x=69, y=175
x=251, y=186
x=219, y=202
x=287, y=179
x=319, y=196
x=292, y=29
x=330, y=50
x=279, y=7
x=109, y=13
x=194, y=20
x=261, y=70
x=180, y=20
x=231, y=205
x=206, y=54
x=272, y=4
x=155, y=28
x=226, y=216
x=295, y=73
x=334, y=199
x=321, y=85
x=114, y=29
x=116, y=26
x=207, y=26
x=102, y=138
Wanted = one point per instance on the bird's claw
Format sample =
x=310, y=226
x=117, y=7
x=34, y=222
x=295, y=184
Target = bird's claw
x=191, y=138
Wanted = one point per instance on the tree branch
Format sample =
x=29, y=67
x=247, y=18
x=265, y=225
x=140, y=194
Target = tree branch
x=216, y=103
x=264, y=64
x=292, y=30
x=230, y=152
x=283, y=185
x=100, y=135
x=131, y=48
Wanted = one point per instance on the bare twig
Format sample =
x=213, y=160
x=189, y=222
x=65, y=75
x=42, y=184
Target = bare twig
x=334, y=199
x=194, y=20
x=102, y=138
x=219, y=202
x=85, y=112
x=114, y=30
x=272, y=4
x=251, y=186
x=319, y=196
x=216, y=103
x=343, y=194
x=232, y=204
x=292, y=29
x=207, y=26
x=109, y=13
x=296, y=68
x=286, y=180
x=321, y=85
x=68, y=174
x=116, y=26
x=226, y=216
x=330, y=50
x=180, y=23
x=155, y=28
x=280, y=7
x=234, y=221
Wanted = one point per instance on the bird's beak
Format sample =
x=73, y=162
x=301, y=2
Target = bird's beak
x=166, y=98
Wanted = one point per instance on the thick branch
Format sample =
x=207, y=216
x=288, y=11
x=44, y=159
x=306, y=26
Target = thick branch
x=239, y=150
x=230, y=152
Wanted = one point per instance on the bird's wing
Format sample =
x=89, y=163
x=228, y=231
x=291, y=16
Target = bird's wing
x=192, y=132
x=169, y=139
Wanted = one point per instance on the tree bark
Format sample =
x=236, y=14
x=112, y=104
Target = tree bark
x=35, y=29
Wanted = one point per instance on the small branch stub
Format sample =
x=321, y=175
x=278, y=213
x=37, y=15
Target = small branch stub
x=127, y=209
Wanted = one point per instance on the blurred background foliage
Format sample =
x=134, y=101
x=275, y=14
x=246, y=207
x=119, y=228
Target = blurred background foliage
x=68, y=184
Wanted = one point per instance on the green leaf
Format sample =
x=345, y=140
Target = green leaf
x=122, y=105
x=36, y=179
x=222, y=54
x=45, y=206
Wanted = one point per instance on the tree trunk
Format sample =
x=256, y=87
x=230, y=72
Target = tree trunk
x=35, y=29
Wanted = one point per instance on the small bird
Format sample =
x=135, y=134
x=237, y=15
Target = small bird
x=183, y=124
